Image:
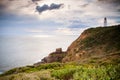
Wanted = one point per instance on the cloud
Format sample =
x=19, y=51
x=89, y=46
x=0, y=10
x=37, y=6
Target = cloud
x=55, y=6
x=3, y=6
x=34, y=30
x=35, y=0
x=11, y=0
x=42, y=8
x=83, y=13
x=110, y=1
x=69, y=31
x=42, y=36
x=114, y=4
x=64, y=31
x=45, y=7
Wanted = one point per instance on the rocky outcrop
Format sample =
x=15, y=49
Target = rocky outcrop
x=56, y=56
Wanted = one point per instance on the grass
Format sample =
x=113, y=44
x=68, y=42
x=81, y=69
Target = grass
x=30, y=69
x=37, y=75
x=54, y=65
x=65, y=71
x=88, y=72
x=98, y=36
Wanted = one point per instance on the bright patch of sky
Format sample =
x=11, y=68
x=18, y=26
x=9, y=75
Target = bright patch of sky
x=55, y=17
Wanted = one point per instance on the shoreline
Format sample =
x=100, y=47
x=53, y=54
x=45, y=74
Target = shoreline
x=1, y=72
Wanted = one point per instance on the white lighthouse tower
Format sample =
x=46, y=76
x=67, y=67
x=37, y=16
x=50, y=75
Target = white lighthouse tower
x=105, y=22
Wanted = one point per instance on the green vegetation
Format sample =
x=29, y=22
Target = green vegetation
x=102, y=35
x=54, y=65
x=108, y=72
x=37, y=75
x=66, y=71
x=30, y=69
x=88, y=72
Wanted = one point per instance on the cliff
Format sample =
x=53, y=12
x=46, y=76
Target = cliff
x=98, y=43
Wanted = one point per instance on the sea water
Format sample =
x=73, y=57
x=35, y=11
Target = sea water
x=16, y=51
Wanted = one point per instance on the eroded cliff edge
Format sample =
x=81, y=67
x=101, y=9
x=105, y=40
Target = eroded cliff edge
x=101, y=44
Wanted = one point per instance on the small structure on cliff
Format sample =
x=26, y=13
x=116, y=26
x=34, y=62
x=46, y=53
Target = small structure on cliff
x=56, y=56
x=59, y=50
x=105, y=22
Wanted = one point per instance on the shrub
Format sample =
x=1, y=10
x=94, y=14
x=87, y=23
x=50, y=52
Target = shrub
x=88, y=72
x=54, y=65
x=65, y=74
x=108, y=72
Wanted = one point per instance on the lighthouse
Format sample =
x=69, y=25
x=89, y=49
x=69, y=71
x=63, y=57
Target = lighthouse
x=105, y=21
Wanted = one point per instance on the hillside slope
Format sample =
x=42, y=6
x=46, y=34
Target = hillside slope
x=98, y=43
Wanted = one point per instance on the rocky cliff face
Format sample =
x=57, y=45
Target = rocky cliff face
x=56, y=56
x=94, y=42
x=101, y=44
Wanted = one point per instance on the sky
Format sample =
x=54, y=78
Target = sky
x=44, y=18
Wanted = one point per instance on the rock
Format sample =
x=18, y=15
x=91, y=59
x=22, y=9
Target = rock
x=56, y=56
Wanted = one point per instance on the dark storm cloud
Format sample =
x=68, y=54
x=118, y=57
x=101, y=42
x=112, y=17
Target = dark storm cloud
x=55, y=6
x=45, y=7
x=42, y=8
x=114, y=2
x=11, y=0
x=36, y=0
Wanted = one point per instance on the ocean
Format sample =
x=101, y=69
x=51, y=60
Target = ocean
x=17, y=51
